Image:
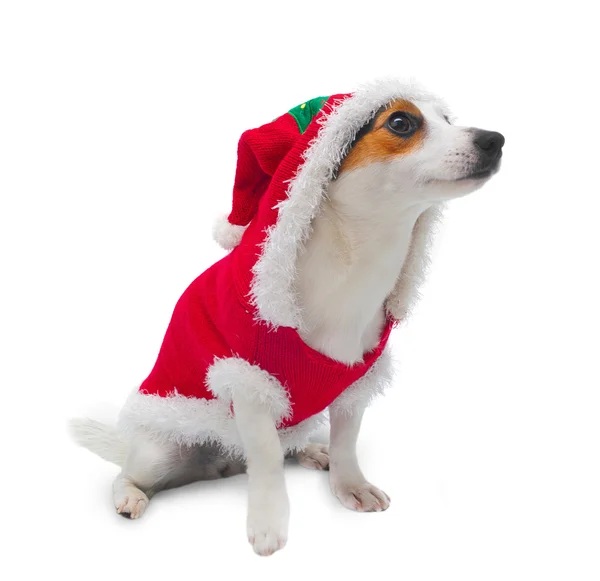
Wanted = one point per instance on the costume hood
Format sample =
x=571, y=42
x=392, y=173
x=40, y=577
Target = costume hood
x=283, y=172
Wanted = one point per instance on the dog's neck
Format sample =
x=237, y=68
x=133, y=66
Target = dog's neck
x=351, y=262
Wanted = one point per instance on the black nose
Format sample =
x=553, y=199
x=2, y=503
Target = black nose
x=490, y=142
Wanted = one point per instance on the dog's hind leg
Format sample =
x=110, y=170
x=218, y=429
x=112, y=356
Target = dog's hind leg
x=147, y=463
x=152, y=466
x=315, y=456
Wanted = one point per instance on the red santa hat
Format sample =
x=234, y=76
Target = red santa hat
x=260, y=152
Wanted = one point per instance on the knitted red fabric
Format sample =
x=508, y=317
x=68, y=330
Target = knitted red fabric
x=211, y=319
x=259, y=152
x=214, y=316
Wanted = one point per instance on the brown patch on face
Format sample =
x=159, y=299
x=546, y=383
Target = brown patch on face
x=380, y=144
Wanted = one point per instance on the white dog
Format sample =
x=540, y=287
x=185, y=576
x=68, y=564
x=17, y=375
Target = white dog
x=334, y=207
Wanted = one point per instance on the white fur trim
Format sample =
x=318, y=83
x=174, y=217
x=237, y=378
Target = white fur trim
x=412, y=276
x=189, y=420
x=233, y=375
x=371, y=385
x=186, y=420
x=226, y=234
x=272, y=290
x=296, y=438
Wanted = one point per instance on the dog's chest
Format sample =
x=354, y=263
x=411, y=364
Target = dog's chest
x=312, y=380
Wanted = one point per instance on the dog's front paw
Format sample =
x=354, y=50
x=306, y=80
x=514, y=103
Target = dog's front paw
x=267, y=531
x=362, y=497
x=266, y=539
x=268, y=517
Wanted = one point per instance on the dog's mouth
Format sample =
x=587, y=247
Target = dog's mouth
x=478, y=172
x=477, y=175
x=482, y=173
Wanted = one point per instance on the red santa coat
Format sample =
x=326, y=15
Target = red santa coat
x=236, y=326
x=213, y=320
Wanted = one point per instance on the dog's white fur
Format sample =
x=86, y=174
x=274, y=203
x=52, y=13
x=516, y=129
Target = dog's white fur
x=363, y=234
x=363, y=253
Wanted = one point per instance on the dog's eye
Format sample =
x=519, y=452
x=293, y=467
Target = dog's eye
x=400, y=123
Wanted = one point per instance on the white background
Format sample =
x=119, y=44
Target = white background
x=118, y=130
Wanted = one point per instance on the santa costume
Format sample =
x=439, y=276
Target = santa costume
x=236, y=326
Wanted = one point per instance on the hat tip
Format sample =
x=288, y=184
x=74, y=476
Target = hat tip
x=226, y=234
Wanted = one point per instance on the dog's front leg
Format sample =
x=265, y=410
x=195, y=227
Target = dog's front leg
x=268, y=505
x=347, y=480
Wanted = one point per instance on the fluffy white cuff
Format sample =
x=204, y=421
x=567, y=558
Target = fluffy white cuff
x=226, y=234
x=227, y=376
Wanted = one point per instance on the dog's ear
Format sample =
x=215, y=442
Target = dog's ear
x=367, y=128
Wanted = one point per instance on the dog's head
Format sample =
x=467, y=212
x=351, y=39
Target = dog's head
x=414, y=147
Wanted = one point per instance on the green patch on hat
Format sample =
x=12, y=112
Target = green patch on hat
x=305, y=113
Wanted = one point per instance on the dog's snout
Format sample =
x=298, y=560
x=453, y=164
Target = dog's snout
x=489, y=142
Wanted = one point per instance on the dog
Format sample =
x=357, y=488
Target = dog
x=335, y=204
